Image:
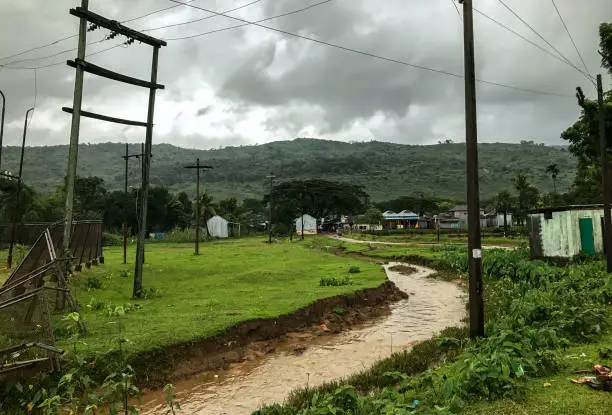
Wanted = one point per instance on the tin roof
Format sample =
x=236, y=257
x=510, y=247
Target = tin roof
x=565, y=208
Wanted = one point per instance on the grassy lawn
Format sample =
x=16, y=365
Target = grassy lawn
x=198, y=296
x=388, y=251
x=431, y=238
x=562, y=397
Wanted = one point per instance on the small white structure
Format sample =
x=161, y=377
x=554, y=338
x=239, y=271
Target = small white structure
x=310, y=224
x=368, y=227
x=218, y=227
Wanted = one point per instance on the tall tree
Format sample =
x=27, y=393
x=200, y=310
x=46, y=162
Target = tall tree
x=527, y=196
x=503, y=204
x=553, y=170
x=208, y=209
x=583, y=136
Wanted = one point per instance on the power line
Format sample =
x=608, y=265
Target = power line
x=247, y=24
x=571, y=38
x=536, y=33
x=200, y=19
x=75, y=35
x=483, y=14
x=6, y=65
x=457, y=9
x=372, y=55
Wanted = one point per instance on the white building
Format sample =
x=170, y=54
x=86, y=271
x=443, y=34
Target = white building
x=310, y=224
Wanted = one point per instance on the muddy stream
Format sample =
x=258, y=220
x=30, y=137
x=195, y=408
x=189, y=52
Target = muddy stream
x=245, y=387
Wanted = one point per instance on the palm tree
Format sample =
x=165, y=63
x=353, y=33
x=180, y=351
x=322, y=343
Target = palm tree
x=504, y=205
x=553, y=170
x=207, y=209
x=527, y=195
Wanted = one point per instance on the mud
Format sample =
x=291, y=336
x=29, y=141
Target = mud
x=254, y=339
x=271, y=369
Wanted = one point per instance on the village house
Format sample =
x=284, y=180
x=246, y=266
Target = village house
x=402, y=220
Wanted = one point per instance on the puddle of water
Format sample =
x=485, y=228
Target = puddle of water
x=433, y=305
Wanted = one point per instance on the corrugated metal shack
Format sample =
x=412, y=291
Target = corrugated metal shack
x=566, y=231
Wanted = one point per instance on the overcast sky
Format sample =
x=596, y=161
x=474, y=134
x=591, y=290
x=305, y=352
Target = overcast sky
x=252, y=85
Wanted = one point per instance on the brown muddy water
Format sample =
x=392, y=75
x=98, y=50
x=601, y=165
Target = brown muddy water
x=245, y=387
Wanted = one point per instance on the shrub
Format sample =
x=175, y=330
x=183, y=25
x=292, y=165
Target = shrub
x=354, y=270
x=93, y=283
x=112, y=239
x=335, y=282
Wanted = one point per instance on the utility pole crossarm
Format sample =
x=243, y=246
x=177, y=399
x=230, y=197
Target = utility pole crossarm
x=115, y=76
x=115, y=26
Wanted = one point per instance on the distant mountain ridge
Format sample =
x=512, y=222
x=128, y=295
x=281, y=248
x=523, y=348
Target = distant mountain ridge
x=386, y=170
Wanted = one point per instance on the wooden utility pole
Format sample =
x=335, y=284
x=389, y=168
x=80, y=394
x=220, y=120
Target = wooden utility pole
x=81, y=65
x=197, y=167
x=73, y=150
x=603, y=149
x=271, y=176
x=125, y=193
x=2, y=125
x=9, y=261
x=476, y=303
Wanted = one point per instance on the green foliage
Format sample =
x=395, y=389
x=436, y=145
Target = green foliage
x=240, y=171
x=354, y=269
x=170, y=400
x=339, y=310
x=93, y=283
x=111, y=239
x=335, y=282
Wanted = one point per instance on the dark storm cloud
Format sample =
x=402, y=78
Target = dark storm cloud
x=283, y=86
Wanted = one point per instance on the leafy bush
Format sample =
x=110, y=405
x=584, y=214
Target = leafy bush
x=112, y=239
x=354, y=269
x=93, y=283
x=335, y=282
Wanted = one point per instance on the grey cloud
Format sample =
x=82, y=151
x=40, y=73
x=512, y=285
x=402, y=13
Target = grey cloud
x=308, y=87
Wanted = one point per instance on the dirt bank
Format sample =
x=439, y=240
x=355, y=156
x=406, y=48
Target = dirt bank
x=255, y=338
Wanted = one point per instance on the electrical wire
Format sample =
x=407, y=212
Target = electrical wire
x=548, y=52
x=372, y=55
x=247, y=24
x=457, y=9
x=537, y=34
x=571, y=38
x=76, y=35
x=200, y=19
x=6, y=65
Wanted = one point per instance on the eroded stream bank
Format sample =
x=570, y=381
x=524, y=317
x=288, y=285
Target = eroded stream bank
x=303, y=359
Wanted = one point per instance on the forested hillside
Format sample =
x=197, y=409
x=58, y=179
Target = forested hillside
x=386, y=170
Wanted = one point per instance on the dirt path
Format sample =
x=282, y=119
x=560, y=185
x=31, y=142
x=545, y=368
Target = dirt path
x=244, y=387
x=359, y=241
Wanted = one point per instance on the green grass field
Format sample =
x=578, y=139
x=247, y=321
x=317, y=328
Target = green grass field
x=431, y=238
x=388, y=251
x=198, y=296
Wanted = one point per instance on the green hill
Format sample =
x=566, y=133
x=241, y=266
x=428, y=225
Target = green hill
x=386, y=170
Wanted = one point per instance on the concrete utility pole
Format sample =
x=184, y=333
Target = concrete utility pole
x=198, y=167
x=9, y=261
x=73, y=150
x=476, y=303
x=271, y=176
x=2, y=125
x=603, y=149
x=125, y=208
